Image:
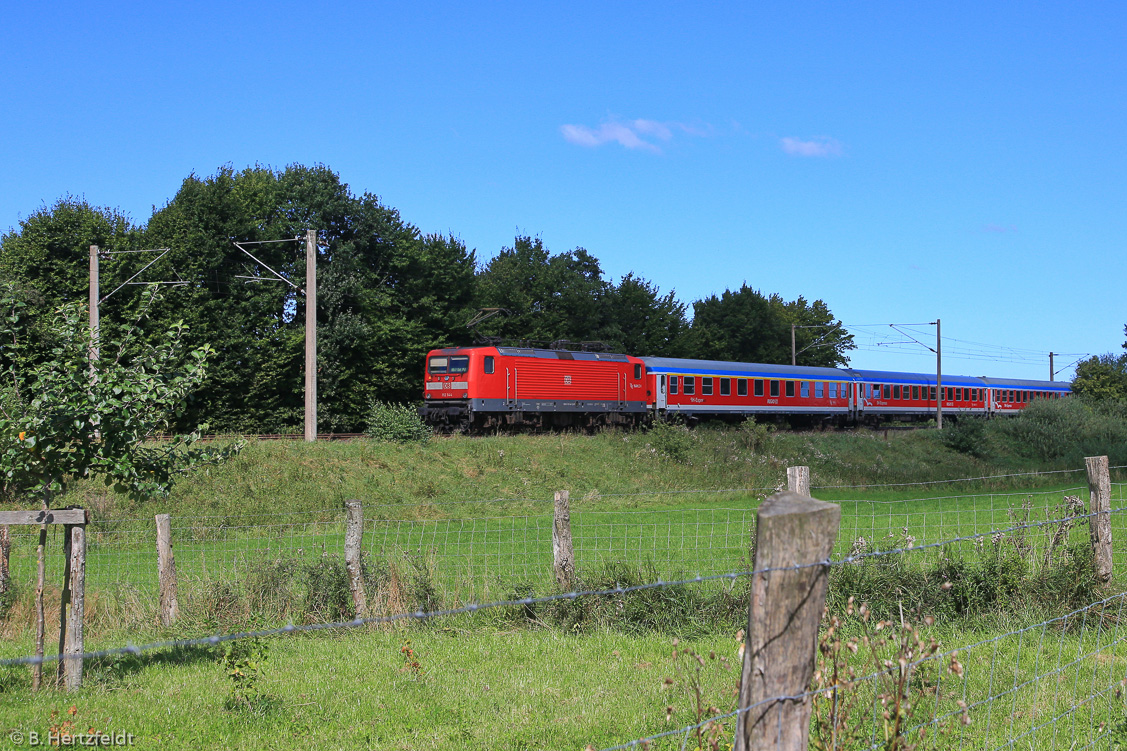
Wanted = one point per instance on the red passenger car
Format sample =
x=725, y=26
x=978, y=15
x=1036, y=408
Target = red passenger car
x=485, y=387
x=696, y=389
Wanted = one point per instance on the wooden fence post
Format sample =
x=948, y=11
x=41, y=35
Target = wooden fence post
x=5, y=551
x=64, y=600
x=563, y=556
x=72, y=668
x=798, y=480
x=794, y=533
x=353, y=544
x=166, y=572
x=1099, y=485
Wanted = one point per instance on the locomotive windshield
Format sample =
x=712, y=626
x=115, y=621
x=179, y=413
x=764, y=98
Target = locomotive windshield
x=443, y=365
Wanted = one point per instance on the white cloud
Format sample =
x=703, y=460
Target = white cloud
x=654, y=128
x=817, y=146
x=631, y=134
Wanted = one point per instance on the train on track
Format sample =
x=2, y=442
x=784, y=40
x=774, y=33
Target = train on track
x=492, y=387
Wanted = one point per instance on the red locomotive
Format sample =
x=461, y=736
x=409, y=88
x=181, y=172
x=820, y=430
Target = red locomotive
x=487, y=387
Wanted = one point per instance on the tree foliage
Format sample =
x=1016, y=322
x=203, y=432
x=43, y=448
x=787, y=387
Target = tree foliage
x=385, y=294
x=549, y=297
x=747, y=326
x=739, y=325
x=820, y=339
x=566, y=297
x=53, y=243
x=642, y=321
x=66, y=417
x=1102, y=377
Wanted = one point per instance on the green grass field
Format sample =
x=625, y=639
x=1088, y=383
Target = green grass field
x=465, y=521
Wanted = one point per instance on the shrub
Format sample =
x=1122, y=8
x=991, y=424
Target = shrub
x=270, y=588
x=1064, y=431
x=242, y=661
x=681, y=609
x=1070, y=581
x=1001, y=575
x=220, y=601
x=754, y=435
x=670, y=440
x=967, y=435
x=397, y=423
x=422, y=589
x=328, y=596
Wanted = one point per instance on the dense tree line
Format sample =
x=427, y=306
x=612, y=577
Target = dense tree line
x=387, y=293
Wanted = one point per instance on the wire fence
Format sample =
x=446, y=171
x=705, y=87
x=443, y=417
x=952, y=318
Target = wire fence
x=479, y=556
x=1056, y=684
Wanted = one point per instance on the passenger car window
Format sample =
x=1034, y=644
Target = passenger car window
x=790, y=388
x=725, y=387
x=774, y=388
x=706, y=386
x=672, y=384
x=759, y=387
x=741, y=387
x=804, y=389
x=690, y=384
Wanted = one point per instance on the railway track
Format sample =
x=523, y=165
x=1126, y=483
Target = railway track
x=273, y=437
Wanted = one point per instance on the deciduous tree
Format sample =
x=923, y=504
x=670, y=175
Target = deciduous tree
x=550, y=297
x=1102, y=377
x=741, y=326
x=66, y=417
x=385, y=294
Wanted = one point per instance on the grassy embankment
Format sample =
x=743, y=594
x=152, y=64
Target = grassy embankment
x=547, y=678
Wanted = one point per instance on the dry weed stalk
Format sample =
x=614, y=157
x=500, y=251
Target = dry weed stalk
x=1067, y=513
x=689, y=667
x=881, y=666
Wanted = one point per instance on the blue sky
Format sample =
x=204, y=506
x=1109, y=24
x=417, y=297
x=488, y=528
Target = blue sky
x=903, y=163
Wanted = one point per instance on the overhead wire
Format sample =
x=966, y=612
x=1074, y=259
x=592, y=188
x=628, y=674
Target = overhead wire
x=870, y=337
